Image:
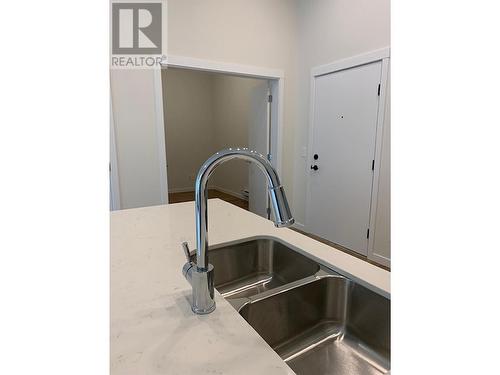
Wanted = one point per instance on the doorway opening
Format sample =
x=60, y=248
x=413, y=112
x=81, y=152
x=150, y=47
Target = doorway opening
x=207, y=111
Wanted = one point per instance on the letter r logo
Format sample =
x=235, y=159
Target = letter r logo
x=137, y=28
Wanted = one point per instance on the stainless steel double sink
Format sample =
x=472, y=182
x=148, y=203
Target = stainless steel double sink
x=318, y=321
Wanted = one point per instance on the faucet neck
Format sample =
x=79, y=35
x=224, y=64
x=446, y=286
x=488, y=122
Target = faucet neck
x=201, y=194
x=201, y=276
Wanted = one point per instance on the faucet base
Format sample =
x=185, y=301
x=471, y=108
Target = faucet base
x=202, y=282
x=201, y=311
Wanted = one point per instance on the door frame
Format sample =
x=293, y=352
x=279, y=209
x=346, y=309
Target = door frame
x=275, y=78
x=115, y=203
x=160, y=134
x=382, y=55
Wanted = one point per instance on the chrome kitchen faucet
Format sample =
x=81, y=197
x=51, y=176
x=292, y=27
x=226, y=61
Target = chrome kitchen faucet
x=201, y=274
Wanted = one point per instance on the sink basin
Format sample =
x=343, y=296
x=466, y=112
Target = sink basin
x=328, y=325
x=255, y=266
x=318, y=321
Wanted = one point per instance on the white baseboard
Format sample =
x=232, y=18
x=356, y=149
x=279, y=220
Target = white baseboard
x=300, y=226
x=379, y=259
x=230, y=192
x=181, y=190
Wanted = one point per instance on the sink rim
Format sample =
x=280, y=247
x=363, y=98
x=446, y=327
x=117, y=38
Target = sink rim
x=321, y=274
x=330, y=267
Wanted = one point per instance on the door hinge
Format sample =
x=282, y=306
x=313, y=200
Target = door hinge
x=378, y=90
x=373, y=164
x=270, y=98
x=368, y=233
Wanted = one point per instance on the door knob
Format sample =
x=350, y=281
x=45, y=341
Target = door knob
x=314, y=167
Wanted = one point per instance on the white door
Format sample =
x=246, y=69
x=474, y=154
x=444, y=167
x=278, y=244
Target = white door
x=344, y=130
x=258, y=140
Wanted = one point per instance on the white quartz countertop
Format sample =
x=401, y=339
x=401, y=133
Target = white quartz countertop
x=153, y=330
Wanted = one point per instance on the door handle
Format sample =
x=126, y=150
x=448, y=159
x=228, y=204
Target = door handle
x=314, y=167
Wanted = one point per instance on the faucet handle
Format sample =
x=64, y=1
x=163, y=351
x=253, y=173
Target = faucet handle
x=187, y=253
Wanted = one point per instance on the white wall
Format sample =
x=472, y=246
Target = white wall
x=292, y=35
x=284, y=34
x=257, y=32
x=330, y=30
x=136, y=135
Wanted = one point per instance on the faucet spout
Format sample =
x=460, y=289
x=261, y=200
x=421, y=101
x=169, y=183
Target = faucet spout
x=203, y=302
